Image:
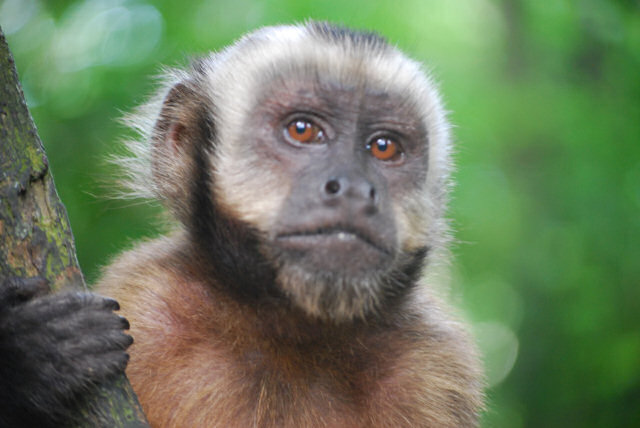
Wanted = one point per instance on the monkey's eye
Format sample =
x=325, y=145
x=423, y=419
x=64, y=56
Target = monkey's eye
x=304, y=131
x=385, y=149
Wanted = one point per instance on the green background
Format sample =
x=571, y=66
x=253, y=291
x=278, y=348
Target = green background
x=545, y=99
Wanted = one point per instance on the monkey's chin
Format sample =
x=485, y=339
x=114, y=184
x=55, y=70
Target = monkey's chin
x=335, y=277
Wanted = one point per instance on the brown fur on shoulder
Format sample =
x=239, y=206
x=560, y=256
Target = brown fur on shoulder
x=201, y=359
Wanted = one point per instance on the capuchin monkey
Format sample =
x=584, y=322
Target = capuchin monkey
x=308, y=170
x=53, y=349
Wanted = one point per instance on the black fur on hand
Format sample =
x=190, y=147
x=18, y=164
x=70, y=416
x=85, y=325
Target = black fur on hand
x=53, y=348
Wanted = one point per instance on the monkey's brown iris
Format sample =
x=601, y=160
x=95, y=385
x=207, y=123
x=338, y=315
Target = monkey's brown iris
x=305, y=132
x=385, y=149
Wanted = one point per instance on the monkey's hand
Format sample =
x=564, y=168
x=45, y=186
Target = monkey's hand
x=53, y=348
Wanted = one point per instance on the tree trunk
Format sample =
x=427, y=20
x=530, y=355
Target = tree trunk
x=35, y=236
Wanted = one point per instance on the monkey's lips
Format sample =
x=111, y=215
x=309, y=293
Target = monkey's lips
x=337, y=240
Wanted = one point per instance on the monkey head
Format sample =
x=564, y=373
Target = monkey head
x=314, y=155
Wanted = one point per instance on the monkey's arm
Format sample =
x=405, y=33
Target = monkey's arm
x=52, y=349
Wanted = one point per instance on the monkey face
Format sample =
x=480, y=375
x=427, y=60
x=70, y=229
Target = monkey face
x=340, y=158
x=327, y=164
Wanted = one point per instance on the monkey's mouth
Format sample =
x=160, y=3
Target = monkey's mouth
x=337, y=237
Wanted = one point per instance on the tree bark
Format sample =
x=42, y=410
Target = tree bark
x=35, y=236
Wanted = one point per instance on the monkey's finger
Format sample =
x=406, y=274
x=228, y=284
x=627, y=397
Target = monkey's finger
x=86, y=345
x=100, y=366
x=58, y=325
x=89, y=319
x=75, y=373
x=60, y=305
x=85, y=322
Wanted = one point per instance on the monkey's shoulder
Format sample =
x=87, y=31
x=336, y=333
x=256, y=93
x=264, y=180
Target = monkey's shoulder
x=439, y=371
x=152, y=282
x=417, y=369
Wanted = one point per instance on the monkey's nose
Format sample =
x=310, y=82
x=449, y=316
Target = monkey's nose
x=354, y=191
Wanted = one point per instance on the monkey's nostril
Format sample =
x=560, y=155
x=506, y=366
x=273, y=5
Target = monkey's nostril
x=372, y=193
x=332, y=187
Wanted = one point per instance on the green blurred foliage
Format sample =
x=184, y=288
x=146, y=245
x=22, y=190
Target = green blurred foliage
x=545, y=97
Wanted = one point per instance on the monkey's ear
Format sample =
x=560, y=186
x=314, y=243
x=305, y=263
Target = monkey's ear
x=182, y=128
